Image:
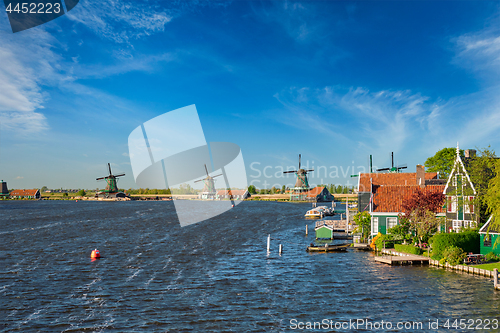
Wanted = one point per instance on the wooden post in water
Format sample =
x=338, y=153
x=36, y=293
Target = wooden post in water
x=268, y=244
x=347, y=215
x=281, y=248
x=306, y=230
x=495, y=278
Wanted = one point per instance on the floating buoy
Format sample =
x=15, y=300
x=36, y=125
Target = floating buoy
x=95, y=254
x=232, y=206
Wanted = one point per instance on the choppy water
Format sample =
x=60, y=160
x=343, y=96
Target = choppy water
x=213, y=276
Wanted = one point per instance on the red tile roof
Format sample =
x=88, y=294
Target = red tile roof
x=390, y=198
x=231, y=192
x=315, y=191
x=404, y=178
x=23, y=193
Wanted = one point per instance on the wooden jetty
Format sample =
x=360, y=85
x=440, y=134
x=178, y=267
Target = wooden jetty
x=328, y=247
x=336, y=225
x=392, y=260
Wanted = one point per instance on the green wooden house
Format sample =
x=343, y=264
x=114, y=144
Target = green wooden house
x=489, y=237
x=324, y=231
x=383, y=195
x=460, y=196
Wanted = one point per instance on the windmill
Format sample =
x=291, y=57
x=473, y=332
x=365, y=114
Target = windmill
x=301, y=185
x=394, y=169
x=209, y=188
x=111, y=187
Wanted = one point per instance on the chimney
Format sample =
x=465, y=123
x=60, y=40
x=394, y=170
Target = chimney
x=470, y=153
x=421, y=175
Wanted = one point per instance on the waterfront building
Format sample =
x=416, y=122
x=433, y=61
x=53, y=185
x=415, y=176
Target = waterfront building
x=319, y=194
x=383, y=194
x=233, y=194
x=489, y=237
x=25, y=194
x=460, y=196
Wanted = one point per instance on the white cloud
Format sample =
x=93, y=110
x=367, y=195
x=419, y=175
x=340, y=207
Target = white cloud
x=377, y=120
x=120, y=21
x=19, y=177
x=27, y=62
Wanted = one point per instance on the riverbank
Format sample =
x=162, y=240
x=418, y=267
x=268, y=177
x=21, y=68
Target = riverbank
x=479, y=270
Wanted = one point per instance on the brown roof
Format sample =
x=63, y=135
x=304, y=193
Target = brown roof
x=390, y=198
x=404, y=178
x=315, y=191
x=23, y=193
x=231, y=192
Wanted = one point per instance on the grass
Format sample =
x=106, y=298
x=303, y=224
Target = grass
x=489, y=267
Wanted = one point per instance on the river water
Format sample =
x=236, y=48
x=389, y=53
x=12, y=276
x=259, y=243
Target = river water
x=214, y=276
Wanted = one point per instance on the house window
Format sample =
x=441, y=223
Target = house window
x=375, y=225
x=454, y=180
x=457, y=224
x=391, y=222
x=487, y=241
x=453, y=204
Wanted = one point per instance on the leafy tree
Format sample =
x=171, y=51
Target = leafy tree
x=424, y=223
x=420, y=213
x=252, y=189
x=442, y=161
x=493, y=196
x=363, y=221
x=339, y=189
x=43, y=189
x=65, y=194
x=283, y=189
x=273, y=190
x=481, y=169
x=81, y=193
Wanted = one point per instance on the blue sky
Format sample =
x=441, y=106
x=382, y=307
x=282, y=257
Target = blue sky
x=333, y=80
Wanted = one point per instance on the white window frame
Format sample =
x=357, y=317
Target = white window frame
x=392, y=222
x=374, y=225
x=454, y=203
x=457, y=224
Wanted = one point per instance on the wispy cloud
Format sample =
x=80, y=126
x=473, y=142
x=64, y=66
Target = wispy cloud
x=121, y=21
x=379, y=119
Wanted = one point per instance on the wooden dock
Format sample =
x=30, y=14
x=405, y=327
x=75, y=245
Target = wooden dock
x=393, y=260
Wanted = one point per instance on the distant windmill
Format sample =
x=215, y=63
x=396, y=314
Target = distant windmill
x=112, y=187
x=301, y=182
x=394, y=169
x=209, y=188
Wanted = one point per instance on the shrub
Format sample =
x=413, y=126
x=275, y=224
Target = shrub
x=389, y=241
x=492, y=257
x=454, y=255
x=407, y=249
x=468, y=241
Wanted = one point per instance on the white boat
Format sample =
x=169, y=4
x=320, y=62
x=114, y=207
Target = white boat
x=319, y=212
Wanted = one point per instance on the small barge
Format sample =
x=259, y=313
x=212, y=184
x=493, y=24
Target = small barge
x=328, y=247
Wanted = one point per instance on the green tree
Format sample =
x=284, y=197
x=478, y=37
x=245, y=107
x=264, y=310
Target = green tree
x=363, y=222
x=481, y=170
x=338, y=189
x=283, y=189
x=252, y=189
x=424, y=223
x=493, y=196
x=442, y=161
x=273, y=190
x=81, y=193
x=43, y=189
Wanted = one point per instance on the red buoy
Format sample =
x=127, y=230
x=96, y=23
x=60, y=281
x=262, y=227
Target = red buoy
x=95, y=254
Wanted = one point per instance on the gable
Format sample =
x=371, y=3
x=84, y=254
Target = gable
x=458, y=174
